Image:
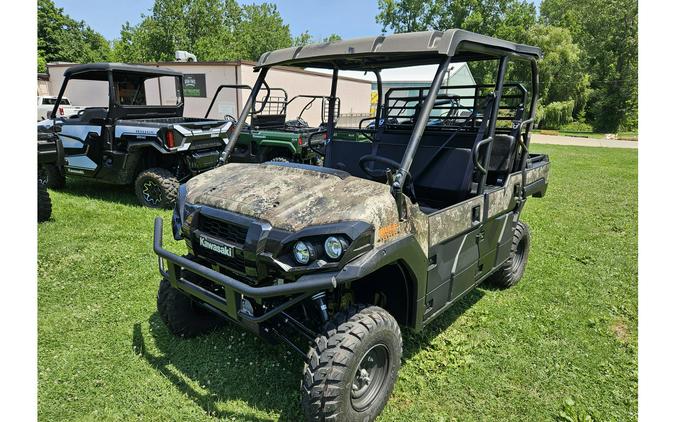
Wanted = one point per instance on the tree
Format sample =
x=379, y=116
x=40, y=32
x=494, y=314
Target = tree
x=61, y=38
x=211, y=29
x=261, y=29
x=606, y=31
x=305, y=38
x=502, y=18
x=561, y=73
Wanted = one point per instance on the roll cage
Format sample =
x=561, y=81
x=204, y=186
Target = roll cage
x=433, y=47
x=115, y=74
x=277, y=105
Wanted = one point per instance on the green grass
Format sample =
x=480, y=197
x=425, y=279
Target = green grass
x=626, y=136
x=561, y=345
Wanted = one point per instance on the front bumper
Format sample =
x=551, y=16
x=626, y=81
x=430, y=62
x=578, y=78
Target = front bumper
x=235, y=290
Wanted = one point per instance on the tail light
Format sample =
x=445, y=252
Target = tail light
x=61, y=111
x=299, y=140
x=169, y=139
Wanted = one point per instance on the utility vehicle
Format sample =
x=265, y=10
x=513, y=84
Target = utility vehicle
x=46, y=106
x=269, y=136
x=139, y=137
x=50, y=156
x=389, y=233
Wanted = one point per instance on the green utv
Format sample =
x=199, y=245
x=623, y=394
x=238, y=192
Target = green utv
x=269, y=136
x=390, y=232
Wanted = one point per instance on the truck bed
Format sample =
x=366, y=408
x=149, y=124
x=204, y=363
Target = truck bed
x=186, y=122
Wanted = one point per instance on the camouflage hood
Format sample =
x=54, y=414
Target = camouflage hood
x=293, y=198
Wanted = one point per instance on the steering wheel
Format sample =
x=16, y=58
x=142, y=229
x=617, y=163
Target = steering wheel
x=377, y=174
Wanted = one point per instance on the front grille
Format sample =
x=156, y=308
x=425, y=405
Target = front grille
x=236, y=263
x=223, y=230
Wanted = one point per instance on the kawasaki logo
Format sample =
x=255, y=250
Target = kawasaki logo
x=220, y=249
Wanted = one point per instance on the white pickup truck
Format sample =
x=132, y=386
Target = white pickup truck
x=45, y=105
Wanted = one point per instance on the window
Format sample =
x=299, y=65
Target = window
x=139, y=90
x=52, y=101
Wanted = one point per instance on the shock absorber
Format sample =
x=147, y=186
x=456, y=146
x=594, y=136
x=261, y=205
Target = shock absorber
x=319, y=300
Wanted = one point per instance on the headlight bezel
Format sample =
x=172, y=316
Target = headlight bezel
x=358, y=237
x=182, y=214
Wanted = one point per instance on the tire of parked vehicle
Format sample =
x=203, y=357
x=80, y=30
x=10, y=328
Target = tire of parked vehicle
x=181, y=315
x=280, y=160
x=51, y=176
x=352, y=367
x=44, y=203
x=509, y=274
x=156, y=188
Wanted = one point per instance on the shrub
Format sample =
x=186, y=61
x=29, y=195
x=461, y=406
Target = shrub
x=555, y=114
x=576, y=127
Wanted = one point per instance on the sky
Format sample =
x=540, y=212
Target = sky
x=347, y=18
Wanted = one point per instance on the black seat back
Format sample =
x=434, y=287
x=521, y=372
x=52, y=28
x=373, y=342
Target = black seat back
x=263, y=121
x=502, y=155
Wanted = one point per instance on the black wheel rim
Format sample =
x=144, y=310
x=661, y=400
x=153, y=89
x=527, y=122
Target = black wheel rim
x=152, y=193
x=519, y=255
x=370, y=377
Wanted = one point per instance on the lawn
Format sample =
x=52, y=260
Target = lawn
x=561, y=345
x=626, y=136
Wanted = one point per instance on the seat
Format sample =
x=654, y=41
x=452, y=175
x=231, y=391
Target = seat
x=267, y=121
x=501, y=158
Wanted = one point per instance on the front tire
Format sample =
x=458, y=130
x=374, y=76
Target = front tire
x=44, y=203
x=50, y=176
x=156, y=188
x=352, y=366
x=182, y=316
x=509, y=274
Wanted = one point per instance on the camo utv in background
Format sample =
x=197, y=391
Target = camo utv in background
x=391, y=232
x=140, y=138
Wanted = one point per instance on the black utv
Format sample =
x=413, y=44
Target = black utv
x=391, y=232
x=140, y=136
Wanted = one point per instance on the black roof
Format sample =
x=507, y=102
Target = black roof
x=98, y=71
x=396, y=50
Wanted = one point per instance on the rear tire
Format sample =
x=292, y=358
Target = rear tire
x=353, y=366
x=44, y=203
x=513, y=269
x=280, y=160
x=156, y=188
x=182, y=316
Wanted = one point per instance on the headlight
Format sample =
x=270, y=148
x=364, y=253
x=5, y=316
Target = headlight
x=334, y=247
x=303, y=252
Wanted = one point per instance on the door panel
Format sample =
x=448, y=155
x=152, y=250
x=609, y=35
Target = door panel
x=453, y=271
x=488, y=239
x=81, y=145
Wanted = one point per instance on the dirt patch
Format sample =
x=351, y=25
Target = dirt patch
x=620, y=330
